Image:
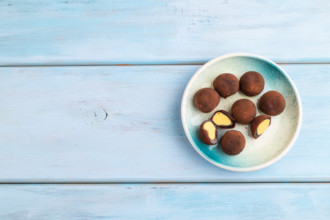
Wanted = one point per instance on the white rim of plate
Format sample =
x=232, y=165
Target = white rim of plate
x=261, y=166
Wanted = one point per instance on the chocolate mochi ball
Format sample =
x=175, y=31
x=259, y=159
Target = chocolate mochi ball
x=272, y=103
x=232, y=142
x=252, y=83
x=208, y=132
x=206, y=99
x=244, y=111
x=259, y=125
x=226, y=84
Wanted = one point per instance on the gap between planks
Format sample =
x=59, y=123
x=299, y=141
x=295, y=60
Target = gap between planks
x=145, y=64
x=158, y=182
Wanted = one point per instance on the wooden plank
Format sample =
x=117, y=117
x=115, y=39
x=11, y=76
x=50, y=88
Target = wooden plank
x=52, y=126
x=106, y=32
x=192, y=201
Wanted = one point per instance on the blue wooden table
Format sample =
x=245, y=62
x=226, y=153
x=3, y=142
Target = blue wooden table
x=90, y=97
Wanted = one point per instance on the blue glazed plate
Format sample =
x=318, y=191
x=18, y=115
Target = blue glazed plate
x=277, y=139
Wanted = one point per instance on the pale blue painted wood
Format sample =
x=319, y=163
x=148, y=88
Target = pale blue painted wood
x=49, y=131
x=192, y=201
x=122, y=123
x=175, y=31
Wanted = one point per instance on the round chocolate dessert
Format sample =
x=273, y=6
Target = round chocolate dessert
x=259, y=125
x=252, y=83
x=272, y=103
x=226, y=84
x=208, y=132
x=206, y=99
x=232, y=142
x=244, y=111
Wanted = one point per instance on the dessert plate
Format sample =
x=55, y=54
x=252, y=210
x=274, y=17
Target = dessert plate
x=277, y=139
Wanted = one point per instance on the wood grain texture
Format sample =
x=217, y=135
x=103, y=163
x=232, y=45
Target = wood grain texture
x=52, y=127
x=193, y=201
x=175, y=31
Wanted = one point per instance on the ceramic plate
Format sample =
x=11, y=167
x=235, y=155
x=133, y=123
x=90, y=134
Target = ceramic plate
x=277, y=139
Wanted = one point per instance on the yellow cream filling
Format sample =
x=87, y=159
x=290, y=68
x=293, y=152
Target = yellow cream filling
x=263, y=126
x=210, y=129
x=221, y=119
